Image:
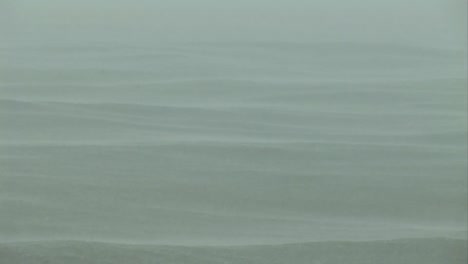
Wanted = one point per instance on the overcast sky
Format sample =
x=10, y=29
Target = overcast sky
x=417, y=22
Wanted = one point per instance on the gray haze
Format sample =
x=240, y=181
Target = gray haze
x=248, y=131
x=436, y=23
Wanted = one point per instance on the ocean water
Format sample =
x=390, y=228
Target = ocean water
x=326, y=153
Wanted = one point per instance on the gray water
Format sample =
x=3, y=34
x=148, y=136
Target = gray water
x=266, y=152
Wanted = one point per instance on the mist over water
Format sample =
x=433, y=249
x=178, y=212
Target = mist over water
x=220, y=132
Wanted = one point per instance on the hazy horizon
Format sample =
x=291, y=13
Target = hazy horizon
x=431, y=23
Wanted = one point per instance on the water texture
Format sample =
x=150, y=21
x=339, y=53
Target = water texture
x=266, y=152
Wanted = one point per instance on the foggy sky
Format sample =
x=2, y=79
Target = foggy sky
x=440, y=23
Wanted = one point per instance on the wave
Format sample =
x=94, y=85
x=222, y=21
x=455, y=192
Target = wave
x=427, y=251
